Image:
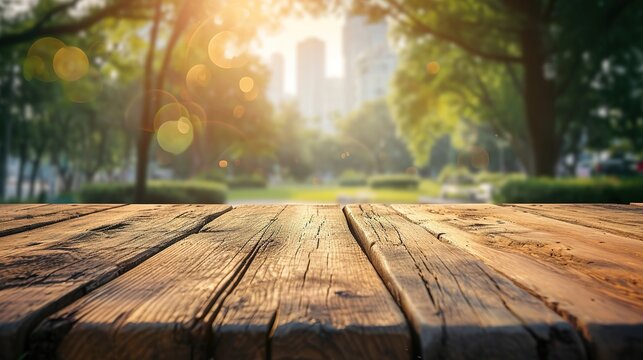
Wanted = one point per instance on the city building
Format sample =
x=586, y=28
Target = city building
x=369, y=61
x=311, y=69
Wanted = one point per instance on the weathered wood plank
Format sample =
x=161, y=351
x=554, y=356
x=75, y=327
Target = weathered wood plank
x=637, y=204
x=459, y=307
x=239, y=287
x=24, y=218
x=311, y=293
x=7, y=210
x=617, y=219
x=591, y=278
x=44, y=269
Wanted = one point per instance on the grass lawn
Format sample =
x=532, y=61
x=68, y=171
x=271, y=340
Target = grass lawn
x=332, y=194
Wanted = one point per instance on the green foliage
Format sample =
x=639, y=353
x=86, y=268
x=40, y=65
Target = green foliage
x=158, y=192
x=370, y=141
x=247, y=181
x=548, y=190
x=394, y=181
x=294, y=143
x=573, y=85
x=352, y=178
x=496, y=178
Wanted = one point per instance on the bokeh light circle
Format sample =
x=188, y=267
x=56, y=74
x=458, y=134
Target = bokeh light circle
x=246, y=84
x=238, y=111
x=198, y=116
x=198, y=78
x=45, y=49
x=170, y=112
x=433, y=68
x=184, y=125
x=70, y=63
x=227, y=51
x=252, y=95
x=176, y=136
x=223, y=164
x=133, y=111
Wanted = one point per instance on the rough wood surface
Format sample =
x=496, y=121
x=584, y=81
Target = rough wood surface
x=46, y=268
x=591, y=278
x=17, y=218
x=310, y=293
x=637, y=204
x=258, y=281
x=460, y=308
x=7, y=210
x=621, y=220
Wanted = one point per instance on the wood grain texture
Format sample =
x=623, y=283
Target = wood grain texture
x=623, y=220
x=44, y=269
x=310, y=293
x=7, y=210
x=459, y=307
x=21, y=218
x=589, y=277
x=286, y=280
x=636, y=204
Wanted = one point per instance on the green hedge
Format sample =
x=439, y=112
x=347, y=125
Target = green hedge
x=158, y=192
x=496, y=178
x=547, y=190
x=397, y=181
x=244, y=181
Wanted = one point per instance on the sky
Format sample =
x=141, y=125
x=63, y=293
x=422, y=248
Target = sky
x=294, y=30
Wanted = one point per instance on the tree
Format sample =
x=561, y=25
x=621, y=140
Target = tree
x=293, y=143
x=165, y=68
x=378, y=149
x=549, y=55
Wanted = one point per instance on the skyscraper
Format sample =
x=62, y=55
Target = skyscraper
x=369, y=61
x=311, y=69
x=277, y=76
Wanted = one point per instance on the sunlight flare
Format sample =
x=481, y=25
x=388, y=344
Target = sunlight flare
x=71, y=63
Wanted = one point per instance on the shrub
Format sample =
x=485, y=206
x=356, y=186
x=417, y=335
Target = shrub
x=497, y=178
x=247, y=181
x=396, y=181
x=547, y=190
x=456, y=175
x=158, y=192
x=352, y=178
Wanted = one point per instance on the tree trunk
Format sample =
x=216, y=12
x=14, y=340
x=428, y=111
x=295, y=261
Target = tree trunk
x=145, y=134
x=539, y=100
x=152, y=102
x=4, y=160
x=35, y=166
x=21, y=169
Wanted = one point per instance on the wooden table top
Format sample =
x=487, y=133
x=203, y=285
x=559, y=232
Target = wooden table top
x=320, y=281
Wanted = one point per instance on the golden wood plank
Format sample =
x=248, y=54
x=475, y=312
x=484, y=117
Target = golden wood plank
x=47, y=268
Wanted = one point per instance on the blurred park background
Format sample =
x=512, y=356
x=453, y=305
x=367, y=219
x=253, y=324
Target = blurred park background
x=207, y=101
